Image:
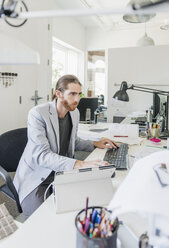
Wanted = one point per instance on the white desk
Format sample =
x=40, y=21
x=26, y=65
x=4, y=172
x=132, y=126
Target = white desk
x=45, y=228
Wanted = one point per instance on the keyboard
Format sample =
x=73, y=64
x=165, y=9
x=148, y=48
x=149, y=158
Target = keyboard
x=117, y=157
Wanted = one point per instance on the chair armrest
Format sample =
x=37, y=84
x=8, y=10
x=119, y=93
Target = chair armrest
x=8, y=181
x=5, y=175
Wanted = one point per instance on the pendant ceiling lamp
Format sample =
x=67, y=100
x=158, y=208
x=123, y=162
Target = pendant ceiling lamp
x=145, y=40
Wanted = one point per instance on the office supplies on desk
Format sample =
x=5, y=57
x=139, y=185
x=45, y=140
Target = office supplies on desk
x=97, y=229
x=155, y=140
x=118, y=157
x=72, y=187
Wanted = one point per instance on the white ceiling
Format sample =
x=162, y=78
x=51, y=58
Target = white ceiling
x=110, y=21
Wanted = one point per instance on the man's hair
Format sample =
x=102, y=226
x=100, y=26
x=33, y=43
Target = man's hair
x=64, y=81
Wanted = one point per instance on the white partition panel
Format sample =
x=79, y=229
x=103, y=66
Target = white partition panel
x=144, y=66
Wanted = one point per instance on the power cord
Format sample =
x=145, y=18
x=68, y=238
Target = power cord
x=51, y=184
x=46, y=191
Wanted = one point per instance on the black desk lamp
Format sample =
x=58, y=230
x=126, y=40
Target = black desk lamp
x=123, y=96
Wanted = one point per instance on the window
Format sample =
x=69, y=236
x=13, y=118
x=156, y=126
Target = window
x=66, y=60
x=96, y=82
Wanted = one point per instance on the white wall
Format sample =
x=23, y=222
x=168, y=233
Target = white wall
x=35, y=34
x=70, y=31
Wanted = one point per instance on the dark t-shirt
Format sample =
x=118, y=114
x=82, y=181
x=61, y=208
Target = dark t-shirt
x=65, y=128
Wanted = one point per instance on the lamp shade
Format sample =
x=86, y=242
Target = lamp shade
x=14, y=52
x=145, y=41
x=121, y=94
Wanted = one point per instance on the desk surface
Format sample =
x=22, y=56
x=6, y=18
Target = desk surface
x=45, y=228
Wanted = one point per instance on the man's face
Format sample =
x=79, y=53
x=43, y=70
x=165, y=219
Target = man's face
x=70, y=98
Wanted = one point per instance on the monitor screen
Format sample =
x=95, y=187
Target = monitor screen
x=167, y=114
x=156, y=104
x=87, y=107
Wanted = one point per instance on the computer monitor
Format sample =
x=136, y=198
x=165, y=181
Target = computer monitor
x=87, y=107
x=167, y=114
x=156, y=105
x=165, y=132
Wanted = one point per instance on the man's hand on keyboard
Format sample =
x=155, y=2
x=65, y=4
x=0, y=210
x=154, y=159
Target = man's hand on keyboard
x=89, y=164
x=105, y=143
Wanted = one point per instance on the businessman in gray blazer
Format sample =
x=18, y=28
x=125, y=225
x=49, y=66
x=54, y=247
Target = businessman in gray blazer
x=52, y=140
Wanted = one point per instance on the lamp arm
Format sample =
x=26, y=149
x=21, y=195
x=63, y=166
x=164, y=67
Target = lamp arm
x=148, y=90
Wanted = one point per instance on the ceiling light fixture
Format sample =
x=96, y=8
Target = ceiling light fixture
x=137, y=18
x=145, y=40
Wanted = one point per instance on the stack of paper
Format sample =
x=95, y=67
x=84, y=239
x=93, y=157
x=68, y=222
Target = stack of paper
x=130, y=130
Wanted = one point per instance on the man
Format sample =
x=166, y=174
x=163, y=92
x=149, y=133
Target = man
x=52, y=140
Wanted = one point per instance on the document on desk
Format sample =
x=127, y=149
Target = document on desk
x=128, y=140
x=89, y=135
x=93, y=131
x=123, y=133
x=145, y=151
x=130, y=130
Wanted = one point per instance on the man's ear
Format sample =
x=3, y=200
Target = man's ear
x=58, y=93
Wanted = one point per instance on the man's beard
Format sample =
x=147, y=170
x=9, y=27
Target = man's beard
x=69, y=107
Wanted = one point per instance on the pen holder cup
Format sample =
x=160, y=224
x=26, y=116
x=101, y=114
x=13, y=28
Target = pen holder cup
x=84, y=241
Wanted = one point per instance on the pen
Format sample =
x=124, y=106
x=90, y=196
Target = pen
x=120, y=136
x=87, y=201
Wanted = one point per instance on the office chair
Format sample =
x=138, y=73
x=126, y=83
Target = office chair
x=12, y=144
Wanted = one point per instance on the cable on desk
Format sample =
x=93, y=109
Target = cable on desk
x=51, y=184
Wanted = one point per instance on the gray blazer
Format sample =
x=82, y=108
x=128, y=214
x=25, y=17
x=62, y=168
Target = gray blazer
x=40, y=156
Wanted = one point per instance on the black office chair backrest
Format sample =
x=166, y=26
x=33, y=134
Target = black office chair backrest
x=12, y=145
